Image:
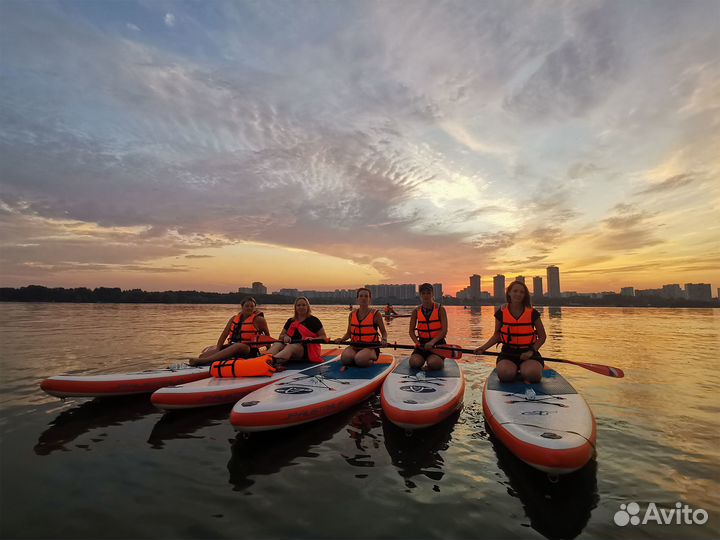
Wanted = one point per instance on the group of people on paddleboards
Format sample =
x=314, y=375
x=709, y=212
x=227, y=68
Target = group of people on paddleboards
x=517, y=327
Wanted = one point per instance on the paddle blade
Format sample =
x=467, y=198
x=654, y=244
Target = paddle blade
x=608, y=371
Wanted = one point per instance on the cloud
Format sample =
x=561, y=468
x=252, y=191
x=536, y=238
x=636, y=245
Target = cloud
x=669, y=184
x=481, y=133
x=132, y=27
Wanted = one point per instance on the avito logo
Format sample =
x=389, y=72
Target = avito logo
x=681, y=514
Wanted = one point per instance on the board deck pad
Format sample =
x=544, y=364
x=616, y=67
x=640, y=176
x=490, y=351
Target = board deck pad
x=551, y=383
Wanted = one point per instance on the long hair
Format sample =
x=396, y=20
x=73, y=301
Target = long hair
x=295, y=316
x=526, y=299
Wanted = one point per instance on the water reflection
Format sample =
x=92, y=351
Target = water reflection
x=268, y=452
x=360, y=429
x=184, y=423
x=93, y=414
x=557, y=508
x=555, y=312
x=419, y=452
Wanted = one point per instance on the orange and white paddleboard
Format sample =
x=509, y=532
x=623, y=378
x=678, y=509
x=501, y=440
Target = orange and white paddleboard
x=122, y=384
x=414, y=399
x=216, y=391
x=548, y=425
x=311, y=394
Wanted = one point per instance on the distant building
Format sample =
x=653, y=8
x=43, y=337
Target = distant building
x=673, y=291
x=474, y=286
x=553, y=281
x=521, y=279
x=245, y=290
x=259, y=288
x=627, y=291
x=437, y=291
x=537, y=287
x=499, y=287
x=390, y=291
x=294, y=293
x=648, y=292
x=698, y=291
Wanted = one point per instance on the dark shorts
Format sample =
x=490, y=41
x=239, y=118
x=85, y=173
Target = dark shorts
x=513, y=356
x=424, y=353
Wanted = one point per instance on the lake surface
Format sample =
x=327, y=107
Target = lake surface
x=119, y=468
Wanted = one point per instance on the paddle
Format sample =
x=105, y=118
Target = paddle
x=608, y=371
x=453, y=351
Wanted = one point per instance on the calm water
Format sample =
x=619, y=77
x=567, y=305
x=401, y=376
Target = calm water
x=119, y=468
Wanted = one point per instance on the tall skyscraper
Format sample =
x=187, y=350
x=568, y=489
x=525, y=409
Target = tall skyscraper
x=537, y=287
x=499, y=287
x=437, y=291
x=521, y=279
x=474, y=286
x=553, y=281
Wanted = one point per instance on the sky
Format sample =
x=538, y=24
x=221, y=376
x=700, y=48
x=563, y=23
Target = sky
x=322, y=145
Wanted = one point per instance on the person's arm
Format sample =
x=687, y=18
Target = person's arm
x=346, y=335
x=413, y=332
x=284, y=334
x=321, y=334
x=262, y=326
x=224, y=335
x=443, y=331
x=494, y=339
x=381, y=326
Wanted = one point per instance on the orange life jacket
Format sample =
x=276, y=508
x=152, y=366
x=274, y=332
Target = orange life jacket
x=313, y=349
x=427, y=329
x=243, y=331
x=243, y=367
x=519, y=333
x=363, y=331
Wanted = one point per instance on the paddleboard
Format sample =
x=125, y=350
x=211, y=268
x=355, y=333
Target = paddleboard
x=548, y=425
x=313, y=393
x=216, y=391
x=414, y=399
x=122, y=384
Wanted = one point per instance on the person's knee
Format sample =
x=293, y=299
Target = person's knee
x=506, y=373
x=532, y=373
x=416, y=362
x=435, y=363
x=363, y=361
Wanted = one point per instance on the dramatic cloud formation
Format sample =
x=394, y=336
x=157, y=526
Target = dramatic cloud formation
x=306, y=144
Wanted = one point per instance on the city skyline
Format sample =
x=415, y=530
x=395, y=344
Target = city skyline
x=185, y=145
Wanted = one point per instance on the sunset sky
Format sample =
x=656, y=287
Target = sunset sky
x=205, y=145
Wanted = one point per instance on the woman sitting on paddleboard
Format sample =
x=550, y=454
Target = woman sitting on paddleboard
x=519, y=328
x=243, y=328
x=303, y=325
x=364, y=323
x=428, y=328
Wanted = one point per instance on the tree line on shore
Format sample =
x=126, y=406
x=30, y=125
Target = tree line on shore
x=39, y=293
